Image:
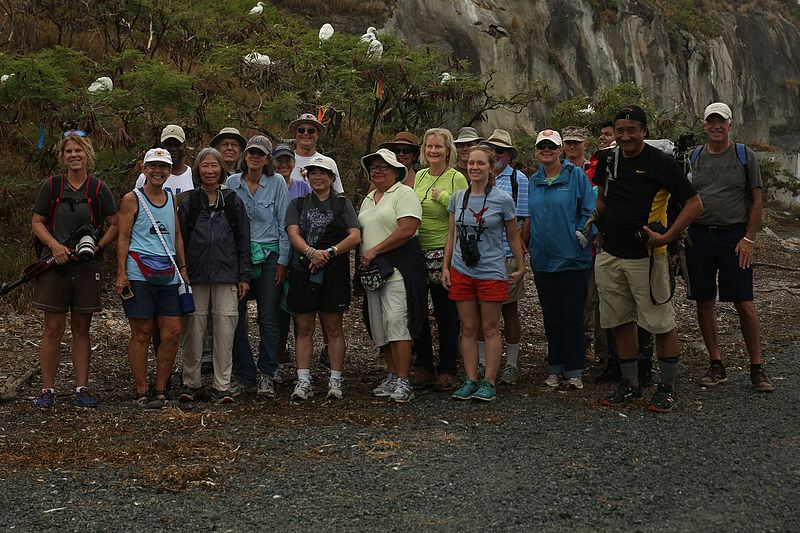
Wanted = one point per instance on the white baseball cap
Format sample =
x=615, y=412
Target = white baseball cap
x=549, y=135
x=157, y=155
x=718, y=108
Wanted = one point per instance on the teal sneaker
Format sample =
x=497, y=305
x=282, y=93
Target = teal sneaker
x=486, y=392
x=466, y=390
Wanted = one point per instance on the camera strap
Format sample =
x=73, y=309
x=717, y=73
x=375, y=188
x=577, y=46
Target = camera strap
x=462, y=228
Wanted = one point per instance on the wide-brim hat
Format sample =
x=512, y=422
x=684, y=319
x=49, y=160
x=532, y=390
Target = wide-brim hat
x=323, y=162
x=306, y=117
x=468, y=135
x=502, y=139
x=232, y=133
x=390, y=159
x=404, y=137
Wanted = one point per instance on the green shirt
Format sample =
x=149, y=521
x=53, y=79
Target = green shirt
x=435, y=216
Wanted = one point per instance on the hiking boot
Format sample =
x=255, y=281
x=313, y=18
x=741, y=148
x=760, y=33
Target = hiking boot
x=466, y=390
x=222, y=396
x=403, y=391
x=386, y=387
x=302, y=390
x=760, y=380
x=445, y=383
x=623, y=394
x=265, y=387
x=645, y=371
x=422, y=377
x=663, y=400
x=334, y=389
x=611, y=373
x=187, y=394
x=715, y=374
x=509, y=375
x=573, y=383
x=84, y=399
x=552, y=381
x=237, y=389
x=486, y=392
x=46, y=399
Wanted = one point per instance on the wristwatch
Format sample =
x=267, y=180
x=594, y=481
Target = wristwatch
x=331, y=252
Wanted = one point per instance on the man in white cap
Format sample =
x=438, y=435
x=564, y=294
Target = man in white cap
x=515, y=183
x=467, y=138
x=728, y=180
x=173, y=139
x=307, y=130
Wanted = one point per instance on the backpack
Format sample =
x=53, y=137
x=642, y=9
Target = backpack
x=196, y=207
x=57, y=193
x=741, y=155
x=514, y=186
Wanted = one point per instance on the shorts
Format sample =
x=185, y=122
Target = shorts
x=331, y=296
x=152, y=300
x=516, y=291
x=388, y=313
x=711, y=253
x=624, y=289
x=465, y=288
x=74, y=286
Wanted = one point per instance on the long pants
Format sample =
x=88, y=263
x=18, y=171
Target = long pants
x=444, y=310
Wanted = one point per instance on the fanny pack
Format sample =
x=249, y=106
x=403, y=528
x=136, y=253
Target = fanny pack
x=371, y=278
x=434, y=260
x=156, y=269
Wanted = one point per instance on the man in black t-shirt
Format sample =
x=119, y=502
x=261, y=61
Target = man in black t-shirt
x=636, y=183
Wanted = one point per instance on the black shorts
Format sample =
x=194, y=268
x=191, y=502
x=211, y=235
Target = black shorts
x=711, y=253
x=330, y=296
x=152, y=300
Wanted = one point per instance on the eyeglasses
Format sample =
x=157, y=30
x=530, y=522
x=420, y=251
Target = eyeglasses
x=403, y=150
x=379, y=168
x=546, y=145
x=79, y=133
x=311, y=131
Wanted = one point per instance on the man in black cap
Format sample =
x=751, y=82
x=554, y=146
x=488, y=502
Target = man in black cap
x=636, y=182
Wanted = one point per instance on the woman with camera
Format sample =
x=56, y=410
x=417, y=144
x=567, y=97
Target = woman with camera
x=561, y=199
x=74, y=219
x=322, y=228
x=474, y=269
x=216, y=236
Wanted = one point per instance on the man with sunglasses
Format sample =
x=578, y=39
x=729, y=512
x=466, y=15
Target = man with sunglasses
x=515, y=184
x=307, y=130
x=173, y=140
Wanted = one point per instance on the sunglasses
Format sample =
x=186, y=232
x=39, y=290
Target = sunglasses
x=79, y=133
x=311, y=131
x=379, y=168
x=404, y=150
x=546, y=145
x=499, y=151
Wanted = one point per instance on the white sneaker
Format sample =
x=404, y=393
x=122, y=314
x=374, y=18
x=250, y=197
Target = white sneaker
x=334, y=389
x=573, y=383
x=552, y=381
x=265, y=387
x=403, y=391
x=302, y=390
x=386, y=388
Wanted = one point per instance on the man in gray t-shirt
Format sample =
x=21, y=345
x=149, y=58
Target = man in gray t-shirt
x=728, y=180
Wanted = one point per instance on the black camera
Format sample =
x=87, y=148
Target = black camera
x=85, y=238
x=469, y=250
x=641, y=236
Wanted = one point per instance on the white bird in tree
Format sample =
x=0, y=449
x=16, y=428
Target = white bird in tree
x=5, y=77
x=257, y=9
x=101, y=84
x=325, y=33
x=588, y=110
x=375, y=50
x=445, y=77
x=369, y=36
x=254, y=58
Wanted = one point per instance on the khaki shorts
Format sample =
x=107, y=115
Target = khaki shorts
x=516, y=291
x=624, y=289
x=388, y=313
x=74, y=286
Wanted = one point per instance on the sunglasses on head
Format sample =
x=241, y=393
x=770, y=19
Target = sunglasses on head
x=311, y=131
x=403, y=150
x=546, y=145
x=79, y=133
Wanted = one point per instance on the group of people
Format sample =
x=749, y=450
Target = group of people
x=446, y=217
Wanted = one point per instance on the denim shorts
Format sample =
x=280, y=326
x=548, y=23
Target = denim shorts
x=152, y=300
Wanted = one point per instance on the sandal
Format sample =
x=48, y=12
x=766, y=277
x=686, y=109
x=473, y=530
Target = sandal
x=140, y=399
x=157, y=400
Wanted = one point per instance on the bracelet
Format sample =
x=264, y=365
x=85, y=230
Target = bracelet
x=309, y=251
x=748, y=240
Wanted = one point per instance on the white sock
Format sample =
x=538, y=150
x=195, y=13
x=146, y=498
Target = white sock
x=512, y=354
x=336, y=374
x=78, y=389
x=304, y=374
x=482, y=352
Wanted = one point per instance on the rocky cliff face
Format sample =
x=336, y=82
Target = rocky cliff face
x=565, y=43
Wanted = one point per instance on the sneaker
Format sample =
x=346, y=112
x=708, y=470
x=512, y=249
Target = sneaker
x=334, y=389
x=714, y=375
x=663, y=400
x=324, y=359
x=760, y=380
x=403, y=391
x=486, y=392
x=611, y=373
x=466, y=390
x=624, y=393
x=386, y=388
x=278, y=377
x=265, y=387
x=187, y=394
x=302, y=390
x=222, y=396
x=237, y=389
x=46, y=399
x=509, y=375
x=552, y=381
x=645, y=370
x=446, y=383
x=573, y=384
x=84, y=399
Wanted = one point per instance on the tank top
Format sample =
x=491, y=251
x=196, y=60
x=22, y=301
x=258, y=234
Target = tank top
x=144, y=240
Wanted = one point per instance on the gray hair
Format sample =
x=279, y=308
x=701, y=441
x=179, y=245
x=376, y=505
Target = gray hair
x=202, y=155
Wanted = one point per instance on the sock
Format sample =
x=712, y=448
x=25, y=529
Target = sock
x=630, y=371
x=392, y=375
x=304, y=374
x=669, y=371
x=336, y=374
x=52, y=391
x=754, y=368
x=81, y=388
x=482, y=352
x=716, y=362
x=512, y=354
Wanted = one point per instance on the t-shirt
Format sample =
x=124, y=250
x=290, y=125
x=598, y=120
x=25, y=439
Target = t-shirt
x=315, y=218
x=722, y=185
x=435, y=217
x=73, y=210
x=300, y=161
x=503, y=182
x=176, y=183
x=494, y=209
x=298, y=189
x=638, y=196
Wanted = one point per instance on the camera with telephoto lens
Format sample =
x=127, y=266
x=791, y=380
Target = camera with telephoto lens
x=641, y=236
x=88, y=237
x=469, y=250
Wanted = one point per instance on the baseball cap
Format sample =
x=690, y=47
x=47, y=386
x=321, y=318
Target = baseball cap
x=174, y=131
x=549, y=135
x=631, y=112
x=321, y=161
x=718, y=108
x=154, y=155
x=283, y=149
x=574, y=133
x=259, y=142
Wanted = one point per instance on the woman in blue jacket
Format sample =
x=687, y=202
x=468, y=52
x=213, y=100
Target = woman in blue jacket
x=560, y=199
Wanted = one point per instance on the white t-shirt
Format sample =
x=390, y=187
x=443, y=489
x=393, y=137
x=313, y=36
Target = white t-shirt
x=176, y=183
x=300, y=161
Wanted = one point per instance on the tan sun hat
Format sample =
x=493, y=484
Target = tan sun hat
x=232, y=133
x=390, y=159
x=306, y=117
x=468, y=135
x=502, y=139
